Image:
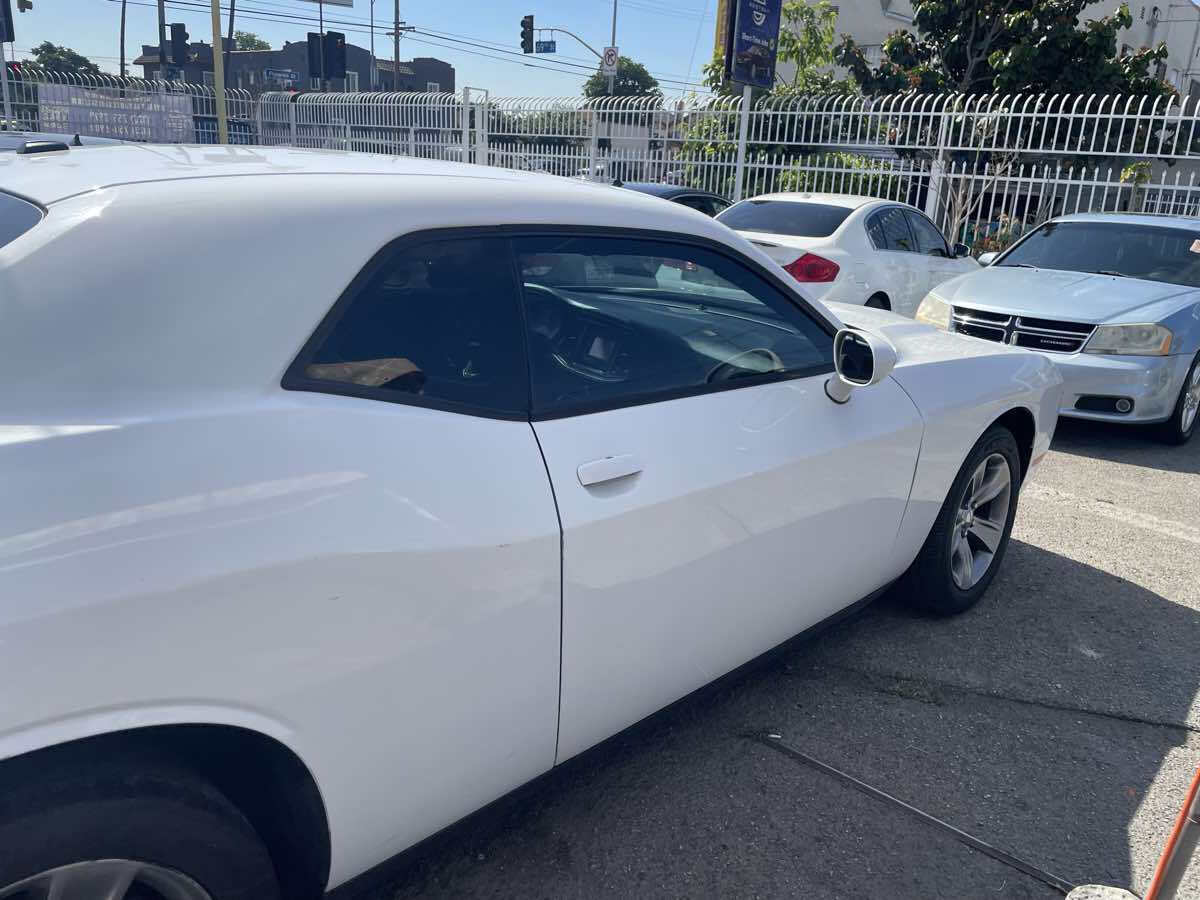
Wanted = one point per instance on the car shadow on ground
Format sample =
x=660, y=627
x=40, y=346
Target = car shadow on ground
x=1037, y=722
x=1131, y=445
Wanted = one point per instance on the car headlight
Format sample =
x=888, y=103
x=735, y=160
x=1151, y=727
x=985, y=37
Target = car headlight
x=1131, y=340
x=934, y=311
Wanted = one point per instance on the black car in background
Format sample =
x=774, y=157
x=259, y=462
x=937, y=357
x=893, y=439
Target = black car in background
x=705, y=201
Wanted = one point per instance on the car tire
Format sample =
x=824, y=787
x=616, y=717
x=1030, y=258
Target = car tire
x=146, y=820
x=1182, y=425
x=938, y=581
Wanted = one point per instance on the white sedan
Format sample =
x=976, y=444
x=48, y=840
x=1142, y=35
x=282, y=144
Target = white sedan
x=848, y=249
x=345, y=494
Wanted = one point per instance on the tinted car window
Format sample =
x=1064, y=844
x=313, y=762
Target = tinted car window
x=438, y=321
x=612, y=320
x=888, y=230
x=1171, y=255
x=17, y=216
x=696, y=202
x=791, y=217
x=929, y=239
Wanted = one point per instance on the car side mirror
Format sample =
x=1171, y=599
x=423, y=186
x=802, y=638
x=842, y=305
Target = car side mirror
x=860, y=359
x=960, y=250
x=986, y=259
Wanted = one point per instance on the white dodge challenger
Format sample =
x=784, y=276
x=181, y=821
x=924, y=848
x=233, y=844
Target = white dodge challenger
x=343, y=494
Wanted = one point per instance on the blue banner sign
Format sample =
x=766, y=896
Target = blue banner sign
x=545, y=46
x=754, y=41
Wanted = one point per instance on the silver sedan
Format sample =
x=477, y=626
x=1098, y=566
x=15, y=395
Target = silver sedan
x=1113, y=299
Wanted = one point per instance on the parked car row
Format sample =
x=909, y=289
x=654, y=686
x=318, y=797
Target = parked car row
x=1113, y=300
x=306, y=559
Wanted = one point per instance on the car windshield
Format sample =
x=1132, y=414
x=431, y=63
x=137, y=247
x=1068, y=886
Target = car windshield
x=790, y=217
x=1150, y=252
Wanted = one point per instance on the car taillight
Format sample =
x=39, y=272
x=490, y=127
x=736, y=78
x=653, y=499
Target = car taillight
x=811, y=267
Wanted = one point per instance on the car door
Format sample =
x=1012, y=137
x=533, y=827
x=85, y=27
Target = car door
x=898, y=271
x=440, y=564
x=714, y=501
x=933, y=251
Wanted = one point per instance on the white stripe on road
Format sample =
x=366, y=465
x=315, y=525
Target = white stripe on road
x=1122, y=514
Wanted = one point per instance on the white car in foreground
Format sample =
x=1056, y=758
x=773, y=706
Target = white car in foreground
x=307, y=553
x=849, y=249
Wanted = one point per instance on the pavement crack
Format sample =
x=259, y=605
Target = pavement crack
x=930, y=690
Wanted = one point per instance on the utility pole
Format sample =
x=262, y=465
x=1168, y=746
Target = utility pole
x=218, y=74
x=374, y=67
x=321, y=14
x=613, y=43
x=396, y=49
x=162, y=41
x=122, y=38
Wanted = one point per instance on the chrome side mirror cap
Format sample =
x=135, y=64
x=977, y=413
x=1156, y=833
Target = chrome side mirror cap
x=860, y=359
x=986, y=259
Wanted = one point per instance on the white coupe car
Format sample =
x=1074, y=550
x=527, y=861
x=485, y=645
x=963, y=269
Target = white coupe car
x=344, y=494
x=848, y=249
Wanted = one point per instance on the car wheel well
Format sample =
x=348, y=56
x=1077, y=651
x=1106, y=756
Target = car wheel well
x=879, y=300
x=264, y=779
x=1023, y=427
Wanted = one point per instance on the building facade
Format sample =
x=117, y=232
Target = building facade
x=287, y=69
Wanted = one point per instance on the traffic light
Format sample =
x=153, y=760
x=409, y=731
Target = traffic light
x=314, y=55
x=24, y=5
x=6, y=22
x=179, y=44
x=527, y=34
x=335, y=54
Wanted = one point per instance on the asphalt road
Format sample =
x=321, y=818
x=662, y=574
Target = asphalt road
x=1058, y=720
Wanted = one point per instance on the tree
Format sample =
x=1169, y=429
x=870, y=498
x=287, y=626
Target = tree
x=632, y=80
x=54, y=58
x=248, y=40
x=1007, y=46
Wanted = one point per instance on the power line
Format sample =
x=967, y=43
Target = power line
x=363, y=27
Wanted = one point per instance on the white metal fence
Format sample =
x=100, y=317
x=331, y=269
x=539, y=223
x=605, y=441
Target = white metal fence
x=984, y=167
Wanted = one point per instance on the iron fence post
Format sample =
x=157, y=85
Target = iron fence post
x=739, y=173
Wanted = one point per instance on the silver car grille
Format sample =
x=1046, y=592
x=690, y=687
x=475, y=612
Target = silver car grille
x=1047, y=335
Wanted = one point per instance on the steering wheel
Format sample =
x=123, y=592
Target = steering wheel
x=731, y=369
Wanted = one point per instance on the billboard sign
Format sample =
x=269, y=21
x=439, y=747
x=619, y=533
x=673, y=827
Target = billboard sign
x=102, y=112
x=753, y=42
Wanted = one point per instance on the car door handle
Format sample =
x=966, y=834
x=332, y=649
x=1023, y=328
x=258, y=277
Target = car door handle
x=610, y=468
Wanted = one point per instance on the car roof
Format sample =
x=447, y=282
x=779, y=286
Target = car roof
x=666, y=190
x=51, y=177
x=848, y=201
x=1155, y=219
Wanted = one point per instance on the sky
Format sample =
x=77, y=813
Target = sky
x=480, y=38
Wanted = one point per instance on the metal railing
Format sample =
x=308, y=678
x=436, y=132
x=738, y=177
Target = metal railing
x=131, y=109
x=985, y=167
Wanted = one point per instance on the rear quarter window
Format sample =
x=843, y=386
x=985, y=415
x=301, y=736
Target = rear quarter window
x=17, y=216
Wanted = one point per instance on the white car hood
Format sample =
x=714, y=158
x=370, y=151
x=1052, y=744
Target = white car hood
x=1054, y=294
